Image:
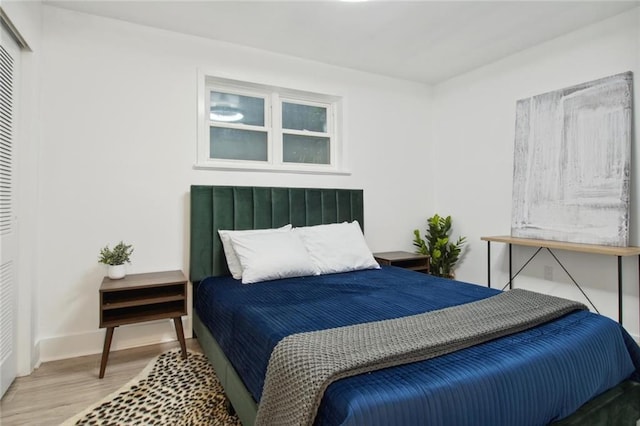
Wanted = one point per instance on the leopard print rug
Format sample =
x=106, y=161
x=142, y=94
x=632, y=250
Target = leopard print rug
x=169, y=391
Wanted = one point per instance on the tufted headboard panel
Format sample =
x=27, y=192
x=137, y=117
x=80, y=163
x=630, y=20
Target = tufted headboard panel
x=245, y=207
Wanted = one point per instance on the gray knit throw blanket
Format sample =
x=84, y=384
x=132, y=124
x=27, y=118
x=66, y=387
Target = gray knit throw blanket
x=303, y=365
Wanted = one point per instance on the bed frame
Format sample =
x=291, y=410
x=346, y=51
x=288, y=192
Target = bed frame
x=235, y=207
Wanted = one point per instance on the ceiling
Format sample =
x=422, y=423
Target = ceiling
x=423, y=41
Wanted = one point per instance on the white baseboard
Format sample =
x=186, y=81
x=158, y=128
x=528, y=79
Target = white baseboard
x=124, y=337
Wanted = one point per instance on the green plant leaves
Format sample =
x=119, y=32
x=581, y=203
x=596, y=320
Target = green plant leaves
x=443, y=254
x=419, y=243
x=120, y=254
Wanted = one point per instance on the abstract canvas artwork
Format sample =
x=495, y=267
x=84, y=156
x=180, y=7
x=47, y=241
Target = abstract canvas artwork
x=572, y=163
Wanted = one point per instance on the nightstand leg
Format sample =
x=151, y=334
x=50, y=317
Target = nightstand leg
x=178, y=323
x=105, y=350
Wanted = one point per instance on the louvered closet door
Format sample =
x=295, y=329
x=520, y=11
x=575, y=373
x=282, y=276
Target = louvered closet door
x=9, y=55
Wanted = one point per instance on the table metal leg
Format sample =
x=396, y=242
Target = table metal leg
x=620, y=289
x=510, y=269
x=489, y=264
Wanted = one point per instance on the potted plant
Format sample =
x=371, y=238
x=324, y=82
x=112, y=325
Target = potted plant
x=443, y=254
x=115, y=259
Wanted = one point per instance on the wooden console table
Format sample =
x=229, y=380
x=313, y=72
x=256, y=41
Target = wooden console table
x=619, y=252
x=142, y=297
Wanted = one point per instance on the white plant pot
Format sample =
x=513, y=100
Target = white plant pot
x=116, y=272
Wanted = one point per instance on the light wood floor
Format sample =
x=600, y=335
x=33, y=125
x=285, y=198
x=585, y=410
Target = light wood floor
x=60, y=389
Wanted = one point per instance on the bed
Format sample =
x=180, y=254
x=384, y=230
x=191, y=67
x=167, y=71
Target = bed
x=579, y=369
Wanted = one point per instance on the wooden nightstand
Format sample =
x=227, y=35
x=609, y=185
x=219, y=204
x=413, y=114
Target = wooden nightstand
x=404, y=259
x=142, y=297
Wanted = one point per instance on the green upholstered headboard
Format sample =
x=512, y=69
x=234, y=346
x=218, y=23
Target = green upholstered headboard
x=245, y=207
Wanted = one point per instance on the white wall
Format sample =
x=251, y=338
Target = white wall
x=118, y=148
x=474, y=122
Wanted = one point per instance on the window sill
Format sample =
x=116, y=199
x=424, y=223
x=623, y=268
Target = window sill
x=272, y=169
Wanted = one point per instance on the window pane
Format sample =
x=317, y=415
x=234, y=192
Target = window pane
x=305, y=149
x=304, y=117
x=230, y=108
x=233, y=144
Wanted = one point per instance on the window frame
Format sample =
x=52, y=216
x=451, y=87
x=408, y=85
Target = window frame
x=274, y=98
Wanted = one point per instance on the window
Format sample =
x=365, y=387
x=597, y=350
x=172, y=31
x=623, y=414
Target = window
x=251, y=126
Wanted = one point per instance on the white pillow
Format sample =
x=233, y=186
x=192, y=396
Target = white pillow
x=232, y=260
x=337, y=247
x=271, y=256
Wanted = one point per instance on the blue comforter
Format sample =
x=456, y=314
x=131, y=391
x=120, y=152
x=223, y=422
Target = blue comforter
x=529, y=378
